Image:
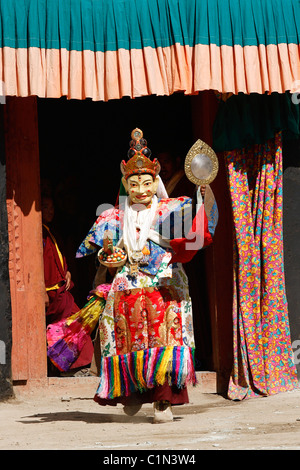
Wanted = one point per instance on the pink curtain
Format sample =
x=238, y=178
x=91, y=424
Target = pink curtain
x=263, y=356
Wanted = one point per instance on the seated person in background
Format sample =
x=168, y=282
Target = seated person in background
x=59, y=302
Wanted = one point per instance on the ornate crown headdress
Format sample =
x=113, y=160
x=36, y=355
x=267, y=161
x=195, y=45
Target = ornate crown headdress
x=139, y=157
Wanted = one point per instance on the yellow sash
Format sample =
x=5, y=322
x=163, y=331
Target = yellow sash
x=59, y=284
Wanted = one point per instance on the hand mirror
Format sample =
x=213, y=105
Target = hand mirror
x=201, y=164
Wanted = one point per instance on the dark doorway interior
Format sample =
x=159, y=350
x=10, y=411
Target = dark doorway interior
x=81, y=146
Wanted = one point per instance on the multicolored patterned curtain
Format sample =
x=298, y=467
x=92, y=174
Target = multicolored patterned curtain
x=263, y=356
x=107, y=49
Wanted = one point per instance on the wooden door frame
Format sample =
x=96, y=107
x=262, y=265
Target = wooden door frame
x=29, y=351
x=26, y=271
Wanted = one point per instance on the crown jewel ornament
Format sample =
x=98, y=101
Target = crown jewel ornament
x=139, y=157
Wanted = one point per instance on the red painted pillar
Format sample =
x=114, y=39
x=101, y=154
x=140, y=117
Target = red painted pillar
x=29, y=359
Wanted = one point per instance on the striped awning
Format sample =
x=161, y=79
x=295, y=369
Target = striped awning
x=107, y=49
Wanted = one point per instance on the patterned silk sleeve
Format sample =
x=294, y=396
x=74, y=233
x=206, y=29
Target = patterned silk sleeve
x=108, y=220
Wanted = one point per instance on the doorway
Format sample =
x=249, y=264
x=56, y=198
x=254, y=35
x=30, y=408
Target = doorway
x=81, y=145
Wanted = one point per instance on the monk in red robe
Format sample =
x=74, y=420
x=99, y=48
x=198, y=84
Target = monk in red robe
x=59, y=301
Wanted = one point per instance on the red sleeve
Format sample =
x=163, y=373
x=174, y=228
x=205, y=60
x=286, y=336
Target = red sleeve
x=180, y=246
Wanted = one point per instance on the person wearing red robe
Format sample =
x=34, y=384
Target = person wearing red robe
x=59, y=301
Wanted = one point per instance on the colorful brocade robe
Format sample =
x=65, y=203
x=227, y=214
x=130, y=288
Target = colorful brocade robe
x=146, y=328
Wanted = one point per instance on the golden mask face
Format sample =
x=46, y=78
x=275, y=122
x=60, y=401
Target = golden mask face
x=141, y=188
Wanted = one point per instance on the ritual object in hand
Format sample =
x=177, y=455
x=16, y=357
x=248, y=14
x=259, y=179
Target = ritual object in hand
x=111, y=255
